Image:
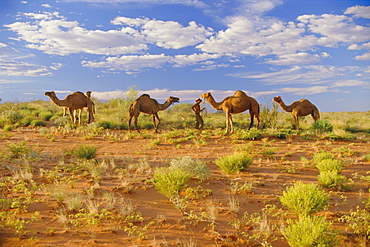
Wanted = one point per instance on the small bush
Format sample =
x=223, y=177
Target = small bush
x=310, y=231
x=195, y=168
x=367, y=157
x=169, y=182
x=251, y=134
x=86, y=152
x=318, y=157
x=359, y=222
x=234, y=163
x=323, y=126
x=26, y=121
x=331, y=179
x=304, y=199
x=330, y=165
x=8, y=128
x=45, y=115
x=37, y=123
x=18, y=150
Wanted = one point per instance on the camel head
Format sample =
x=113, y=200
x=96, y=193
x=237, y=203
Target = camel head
x=50, y=94
x=206, y=96
x=278, y=99
x=173, y=99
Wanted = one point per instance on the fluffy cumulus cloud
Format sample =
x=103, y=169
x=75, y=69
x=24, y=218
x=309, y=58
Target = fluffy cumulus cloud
x=359, y=11
x=54, y=35
x=167, y=34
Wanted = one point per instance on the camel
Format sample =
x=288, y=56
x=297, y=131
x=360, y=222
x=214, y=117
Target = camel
x=149, y=106
x=237, y=103
x=74, y=102
x=77, y=113
x=299, y=109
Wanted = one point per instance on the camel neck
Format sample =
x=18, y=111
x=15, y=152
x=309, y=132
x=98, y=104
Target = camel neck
x=213, y=103
x=165, y=105
x=58, y=101
x=285, y=107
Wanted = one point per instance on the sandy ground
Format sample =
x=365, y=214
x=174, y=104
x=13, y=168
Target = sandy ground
x=162, y=223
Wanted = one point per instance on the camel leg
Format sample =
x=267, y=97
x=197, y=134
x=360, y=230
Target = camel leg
x=135, y=123
x=231, y=124
x=296, y=122
x=79, y=116
x=156, y=125
x=257, y=120
x=252, y=118
x=129, y=123
x=71, y=115
x=227, y=124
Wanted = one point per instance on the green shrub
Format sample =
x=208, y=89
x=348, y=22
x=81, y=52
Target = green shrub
x=169, y=182
x=318, y=157
x=251, y=134
x=234, y=163
x=367, y=157
x=26, y=121
x=304, y=199
x=331, y=179
x=8, y=128
x=13, y=116
x=85, y=152
x=330, y=165
x=18, y=150
x=38, y=123
x=310, y=231
x=359, y=222
x=195, y=168
x=45, y=115
x=323, y=126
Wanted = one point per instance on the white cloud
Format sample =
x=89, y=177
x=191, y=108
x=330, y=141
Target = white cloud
x=365, y=56
x=309, y=74
x=182, y=60
x=16, y=68
x=298, y=58
x=195, y=3
x=359, y=11
x=335, y=28
x=167, y=34
x=58, y=36
x=130, y=63
x=307, y=90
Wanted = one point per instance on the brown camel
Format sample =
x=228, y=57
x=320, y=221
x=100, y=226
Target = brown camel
x=299, y=109
x=74, y=102
x=237, y=103
x=77, y=113
x=149, y=106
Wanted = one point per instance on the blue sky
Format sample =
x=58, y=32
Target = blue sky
x=319, y=50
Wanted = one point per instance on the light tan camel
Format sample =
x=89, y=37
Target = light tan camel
x=74, y=102
x=149, y=106
x=299, y=109
x=237, y=103
x=77, y=113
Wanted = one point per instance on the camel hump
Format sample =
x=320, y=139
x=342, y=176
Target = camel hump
x=145, y=95
x=240, y=93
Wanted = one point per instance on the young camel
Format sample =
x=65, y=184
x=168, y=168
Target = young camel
x=299, y=109
x=74, y=102
x=149, y=106
x=237, y=103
